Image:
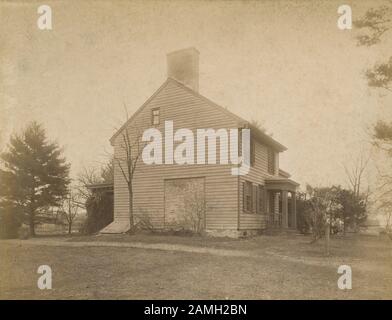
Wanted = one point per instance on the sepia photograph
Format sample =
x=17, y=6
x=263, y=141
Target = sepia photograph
x=186, y=150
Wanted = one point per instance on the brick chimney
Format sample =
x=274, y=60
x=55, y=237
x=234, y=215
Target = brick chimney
x=183, y=65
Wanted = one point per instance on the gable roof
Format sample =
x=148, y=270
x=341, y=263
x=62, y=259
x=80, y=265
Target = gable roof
x=259, y=134
x=139, y=110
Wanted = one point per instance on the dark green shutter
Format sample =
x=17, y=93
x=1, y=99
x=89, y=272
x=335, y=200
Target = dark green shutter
x=254, y=198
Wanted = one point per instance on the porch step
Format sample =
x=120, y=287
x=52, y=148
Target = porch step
x=117, y=226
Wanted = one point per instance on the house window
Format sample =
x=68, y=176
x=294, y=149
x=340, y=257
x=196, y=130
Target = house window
x=155, y=116
x=271, y=161
x=247, y=196
x=260, y=199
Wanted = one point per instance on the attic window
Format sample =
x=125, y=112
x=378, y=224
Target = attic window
x=155, y=116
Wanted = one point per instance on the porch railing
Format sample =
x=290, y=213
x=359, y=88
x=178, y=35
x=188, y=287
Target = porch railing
x=274, y=220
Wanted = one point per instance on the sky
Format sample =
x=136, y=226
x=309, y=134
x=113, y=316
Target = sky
x=283, y=63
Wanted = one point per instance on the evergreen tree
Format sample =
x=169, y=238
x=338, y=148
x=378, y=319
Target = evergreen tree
x=33, y=175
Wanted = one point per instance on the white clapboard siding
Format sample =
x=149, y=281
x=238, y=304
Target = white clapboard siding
x=257, y=175
x=186, y=110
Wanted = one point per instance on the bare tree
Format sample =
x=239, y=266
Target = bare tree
x=127, y=161
x=107, y=171
x=69, y=209
x=90, y=176
x=355, y=172
x=195, y=207
x=86, y=177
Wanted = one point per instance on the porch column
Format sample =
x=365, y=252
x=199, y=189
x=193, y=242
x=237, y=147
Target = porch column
x=285, y=216
x=294, y=208
x=275, y=212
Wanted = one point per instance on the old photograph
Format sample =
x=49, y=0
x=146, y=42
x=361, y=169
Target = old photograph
x=196, y=150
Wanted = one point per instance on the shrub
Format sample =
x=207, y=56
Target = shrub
x=100, y=212
x=143, y=221
x=303, y=220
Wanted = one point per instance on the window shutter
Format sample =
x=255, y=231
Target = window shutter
x=273, y=162
x=252, y=152
x=243, y=196
x=261, y=199
x=254, y=199
x=239, y=142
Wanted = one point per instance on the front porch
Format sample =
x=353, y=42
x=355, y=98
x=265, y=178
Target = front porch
x=281, y=203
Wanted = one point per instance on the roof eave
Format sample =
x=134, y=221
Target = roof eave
x=100, y=185
x=112, y=139
x=281, y=180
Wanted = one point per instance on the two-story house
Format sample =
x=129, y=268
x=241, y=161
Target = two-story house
x=226, y=204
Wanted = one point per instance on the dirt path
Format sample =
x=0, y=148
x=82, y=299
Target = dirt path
x=63, y=242
x=137, y=245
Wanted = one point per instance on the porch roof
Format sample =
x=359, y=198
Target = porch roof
x=280, y=183
x=101, y=187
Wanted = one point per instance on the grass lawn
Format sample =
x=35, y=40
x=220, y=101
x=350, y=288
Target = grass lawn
x=275, y=267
